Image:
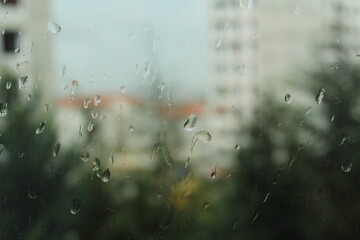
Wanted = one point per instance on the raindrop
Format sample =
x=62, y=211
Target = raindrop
x=2, y=147
x=106, y=175
x=84, y=156
x=159, y=194
x=190, y=123
x=87, y=101
x=3, y=109
x=266, y=197
x=97, y=100
x=123, y=89
x=47, y=107
x=79, y=135
x=74, y=86
x=187, y=162
x=237, y=147
x=102, y=117
x=308, y=111
x=56, y=149
x=162, y=87
x=218, y=43
x=202, y=136
x=169, y=161
x=206, y=205
x=344, y=139
x=31, y=194
x=255, y=217
x=236, y=222
x=112, y=159
x=20, y=154
x=332, y=118
x=291, y=160
x=213, y=173
x=288, y=98
x=75, y=206
x=8, y=85
x=346, y=165
x=4, y=23
x=29, y=97
x=131, y=128
x=93, y=114
x=31, y=47
x=319, y=96
x=96, y=164
x=90, y=126
x=63, y=71
x=54, y=27
x=41, y=127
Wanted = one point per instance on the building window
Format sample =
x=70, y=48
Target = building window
x=10, y=41
x=9, y=2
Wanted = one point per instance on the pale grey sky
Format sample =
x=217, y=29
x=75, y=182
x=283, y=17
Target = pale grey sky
x=101, y=42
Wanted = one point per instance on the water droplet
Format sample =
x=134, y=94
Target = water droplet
x=96, y=164
x=266, y=197
x=31, y=194
x=213, y=173
x=56, y=149
x=97, y=100
x=255, y=217
x=84, y=156
x=319, y=96
x=41, y=127
x=288, y=98
x=236, y=222
x=346, y=165
x=63, y=71
x=206, y=205
x=187, y=162
x=332, y=118
x=90, y=126
x=29, y=97
x=291, y=160
x=22, y=82
x=93, y=114
x=102, y=117
x=75, y=206
x=168, y=160
x=218, y=43
x=162, y=87
x=123, y=89
x=106, y=175
x=3, y=109
x=79, y=135
x=190, y=123
x=31, y=47
x=112, y=159
x=345, y=137
x=87, y=101
x=8, y=85
x=159, y=194
x=54, y=27
x=20, y=154
x=237, y=147
x=47, y=107
x=308, y=111
x=4, y=23
x=202, y=136
x=131, y=128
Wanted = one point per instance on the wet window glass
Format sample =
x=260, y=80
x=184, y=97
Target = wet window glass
x=179, y=119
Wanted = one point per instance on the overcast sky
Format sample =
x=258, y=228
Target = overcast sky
x=102, y=42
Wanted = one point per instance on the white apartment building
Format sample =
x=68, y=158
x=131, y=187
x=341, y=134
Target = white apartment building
x=25, y=43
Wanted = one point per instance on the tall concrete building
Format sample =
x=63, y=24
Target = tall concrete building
x=25, y=43
x=233, y=72
x=258, y=46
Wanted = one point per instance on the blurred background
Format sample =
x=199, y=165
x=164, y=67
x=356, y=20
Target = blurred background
x=179, y=119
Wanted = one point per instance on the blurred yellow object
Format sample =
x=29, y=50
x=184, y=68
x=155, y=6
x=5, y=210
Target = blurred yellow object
x=180, y=193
